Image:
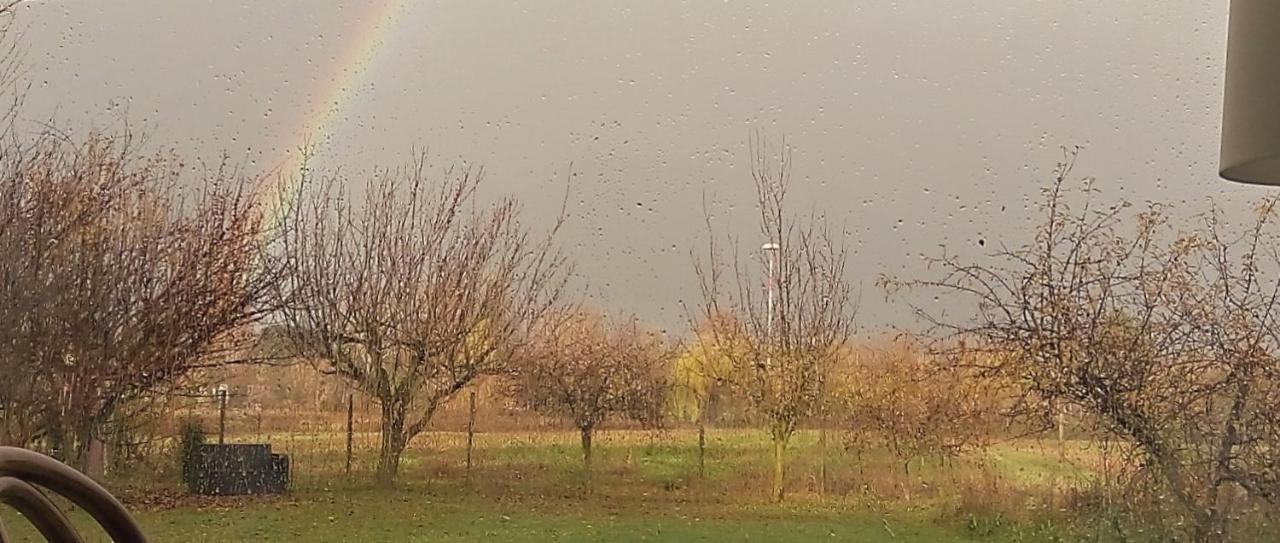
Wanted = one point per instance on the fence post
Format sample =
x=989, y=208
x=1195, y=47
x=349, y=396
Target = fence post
x=822, y=450
x=222, y=416
x=350, y=429
x=702, y=442
x=471, y=429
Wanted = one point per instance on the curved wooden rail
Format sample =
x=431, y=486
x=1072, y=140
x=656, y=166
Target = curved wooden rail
x=22, y=470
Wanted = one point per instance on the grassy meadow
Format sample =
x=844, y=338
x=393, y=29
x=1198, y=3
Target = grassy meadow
x=647, y=486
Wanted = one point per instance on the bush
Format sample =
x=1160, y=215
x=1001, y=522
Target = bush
x=190, y=437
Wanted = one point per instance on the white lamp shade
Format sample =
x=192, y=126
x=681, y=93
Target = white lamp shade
x=1251, y=110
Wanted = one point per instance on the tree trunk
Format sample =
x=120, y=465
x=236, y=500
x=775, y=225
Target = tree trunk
x=586, y=454
x=393, y=442
x=1214, y=527
x=906, y=479
x=1062, y=431
x=95, y=461
x=779, y=450
x=83, y=438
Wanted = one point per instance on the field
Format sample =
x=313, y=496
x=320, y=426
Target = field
x=529, y=486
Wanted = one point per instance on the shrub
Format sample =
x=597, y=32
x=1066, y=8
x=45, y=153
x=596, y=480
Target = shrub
x=190, y=437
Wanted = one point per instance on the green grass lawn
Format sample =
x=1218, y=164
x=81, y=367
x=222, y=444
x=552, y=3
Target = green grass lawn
x=404, y=516
x=529, y=486
x=423, y=515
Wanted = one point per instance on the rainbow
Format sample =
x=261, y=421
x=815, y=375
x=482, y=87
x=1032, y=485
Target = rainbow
x=322, y=120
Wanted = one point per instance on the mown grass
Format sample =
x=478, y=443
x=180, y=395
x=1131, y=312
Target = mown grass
x=529, y=486
x=428, y=515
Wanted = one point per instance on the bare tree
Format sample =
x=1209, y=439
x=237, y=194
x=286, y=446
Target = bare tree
x=699, y=391
x=415, y=293
x=589, y=370
x=1226, y=426
x=780, y=343
x=1165, y=337
x=904, y=399
x=125, y=281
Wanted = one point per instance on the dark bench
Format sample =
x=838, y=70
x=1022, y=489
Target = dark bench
x=236, y=469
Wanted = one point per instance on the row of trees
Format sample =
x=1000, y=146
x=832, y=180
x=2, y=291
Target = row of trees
x=419, y=289
x=133, y=274
x=130, y=274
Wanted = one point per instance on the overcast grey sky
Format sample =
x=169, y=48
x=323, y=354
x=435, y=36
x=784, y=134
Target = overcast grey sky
x=916, y=123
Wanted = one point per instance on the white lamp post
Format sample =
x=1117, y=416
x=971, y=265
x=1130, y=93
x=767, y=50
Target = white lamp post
x=1251, y=109
x=770, y=253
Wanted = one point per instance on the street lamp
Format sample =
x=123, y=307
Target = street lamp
x=770, y=253
x=1251, y=108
